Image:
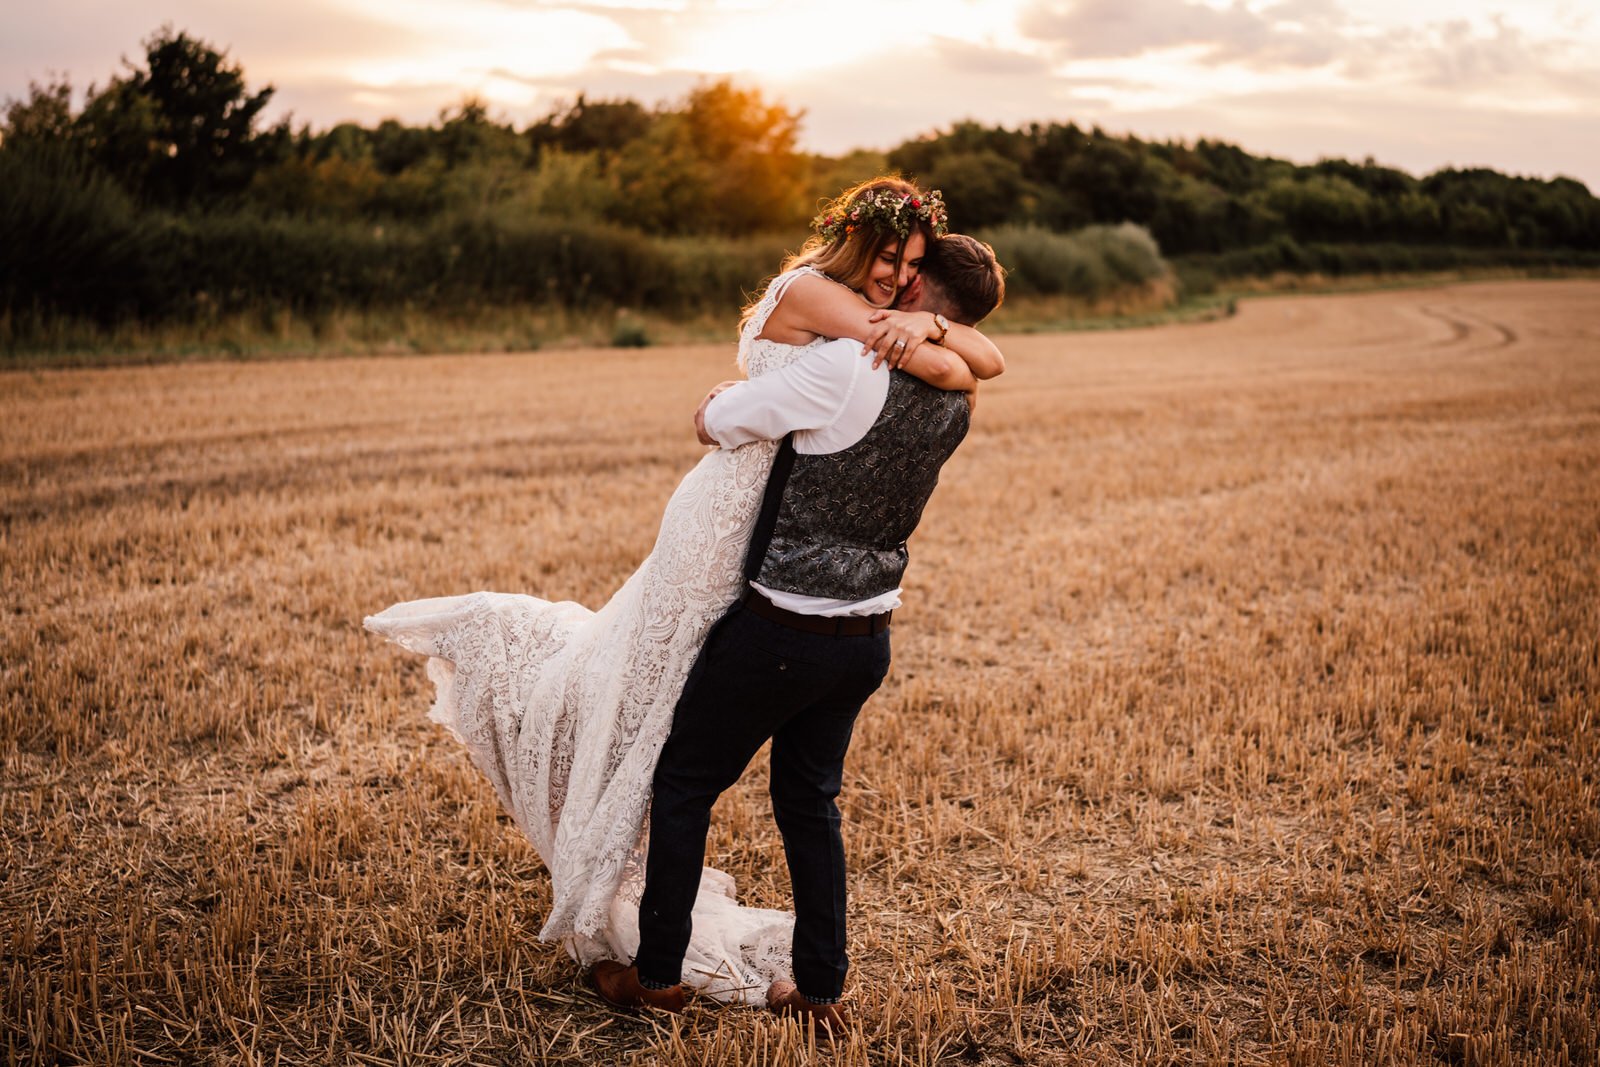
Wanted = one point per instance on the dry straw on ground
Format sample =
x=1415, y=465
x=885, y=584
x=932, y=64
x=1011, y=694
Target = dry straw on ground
x=1243, y=711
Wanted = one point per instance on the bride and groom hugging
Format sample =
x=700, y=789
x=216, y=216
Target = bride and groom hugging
x=762, y=613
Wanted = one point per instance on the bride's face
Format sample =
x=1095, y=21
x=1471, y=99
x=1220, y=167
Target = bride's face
x=882, y=282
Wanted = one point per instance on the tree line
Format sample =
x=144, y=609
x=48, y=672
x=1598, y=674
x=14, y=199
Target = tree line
x=166, y=195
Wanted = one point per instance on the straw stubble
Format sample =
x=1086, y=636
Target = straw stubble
x=1243, y=708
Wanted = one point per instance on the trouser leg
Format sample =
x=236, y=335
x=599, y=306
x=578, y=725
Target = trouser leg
x=735, y=698
x=807, y=769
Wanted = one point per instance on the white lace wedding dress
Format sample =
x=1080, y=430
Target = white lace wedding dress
x=565, y=710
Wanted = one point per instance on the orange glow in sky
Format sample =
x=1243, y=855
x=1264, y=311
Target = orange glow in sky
x=1415, y=83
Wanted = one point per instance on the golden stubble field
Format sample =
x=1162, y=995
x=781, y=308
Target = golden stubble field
x=1244, y=706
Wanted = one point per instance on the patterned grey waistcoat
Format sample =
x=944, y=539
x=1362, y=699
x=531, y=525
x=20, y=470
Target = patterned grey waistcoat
x=845, y=516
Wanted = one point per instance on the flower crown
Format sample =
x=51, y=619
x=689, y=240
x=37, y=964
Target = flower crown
x=882, y=209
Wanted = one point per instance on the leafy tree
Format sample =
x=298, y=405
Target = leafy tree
x=1568, y=213
x=347, y=140
x=1320, y=207
x=983, y=188
x=45, y=117
x=397, y=147
x=1368, y=176
x=829, y=176
x=726, y=163
x=603, y=126
x=1119, y=181
x=1408, y=216
x=1230, y=167
x=336, y=186
x=467, y=135
x=120, y=130
x=1054, y=146
x=924, y=155
x=182, y=130
x=1192, y=216
x=567, y=185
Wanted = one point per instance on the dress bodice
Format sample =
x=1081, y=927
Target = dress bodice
x=758, y=356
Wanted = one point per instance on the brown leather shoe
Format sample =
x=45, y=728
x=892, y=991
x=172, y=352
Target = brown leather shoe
x=619, y=986
x=785, y=999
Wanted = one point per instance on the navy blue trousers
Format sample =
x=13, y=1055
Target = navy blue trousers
x=756, y=679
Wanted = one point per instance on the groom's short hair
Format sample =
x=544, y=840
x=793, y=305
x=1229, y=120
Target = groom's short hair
x=965, y=276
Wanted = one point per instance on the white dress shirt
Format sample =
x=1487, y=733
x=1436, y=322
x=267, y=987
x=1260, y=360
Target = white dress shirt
x=829, y=398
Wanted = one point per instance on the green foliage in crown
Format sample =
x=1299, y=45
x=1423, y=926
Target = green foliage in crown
x=883, y=210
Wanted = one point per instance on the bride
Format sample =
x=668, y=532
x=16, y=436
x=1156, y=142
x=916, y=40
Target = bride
x=565, y=709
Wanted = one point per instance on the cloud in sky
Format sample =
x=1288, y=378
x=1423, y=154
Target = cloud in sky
x=1488, y=54
x=1292, y=33
x=1418, y=83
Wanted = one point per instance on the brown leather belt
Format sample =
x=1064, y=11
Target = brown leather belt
x=827, y=625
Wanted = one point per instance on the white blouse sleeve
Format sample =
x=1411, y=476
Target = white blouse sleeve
x=808, y=394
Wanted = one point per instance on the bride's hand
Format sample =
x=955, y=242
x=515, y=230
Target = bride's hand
x=895, y=335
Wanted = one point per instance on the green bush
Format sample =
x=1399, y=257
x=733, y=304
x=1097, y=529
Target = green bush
x=720, y=272
x=1285, y=255
x=69, y=235
x=71, y=244
x=1090, y=263
x=629, y=332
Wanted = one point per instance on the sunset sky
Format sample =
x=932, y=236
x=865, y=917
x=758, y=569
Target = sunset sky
x=1415, y=83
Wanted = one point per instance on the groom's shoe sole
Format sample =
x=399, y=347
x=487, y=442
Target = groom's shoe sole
x=619, y=987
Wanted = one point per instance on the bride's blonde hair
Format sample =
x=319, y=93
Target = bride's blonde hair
x=848, y=259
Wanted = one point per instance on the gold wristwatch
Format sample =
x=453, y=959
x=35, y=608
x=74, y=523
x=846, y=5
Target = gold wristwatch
x=944, y=328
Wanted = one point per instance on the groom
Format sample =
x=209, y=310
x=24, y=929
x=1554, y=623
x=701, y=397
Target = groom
x=798, y=656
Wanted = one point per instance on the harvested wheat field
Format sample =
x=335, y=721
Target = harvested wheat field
x=1244, y=705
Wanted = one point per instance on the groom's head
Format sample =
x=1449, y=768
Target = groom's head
x=960, y=279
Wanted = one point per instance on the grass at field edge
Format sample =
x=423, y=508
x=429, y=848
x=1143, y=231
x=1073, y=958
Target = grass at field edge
x=509, y=329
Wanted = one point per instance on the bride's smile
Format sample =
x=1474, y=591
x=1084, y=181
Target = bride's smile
x=883, y=283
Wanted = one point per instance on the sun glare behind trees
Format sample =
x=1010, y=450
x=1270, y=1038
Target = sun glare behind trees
x=166, y=199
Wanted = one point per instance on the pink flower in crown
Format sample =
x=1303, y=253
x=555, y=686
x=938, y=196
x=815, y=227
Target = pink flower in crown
x=916, y=203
